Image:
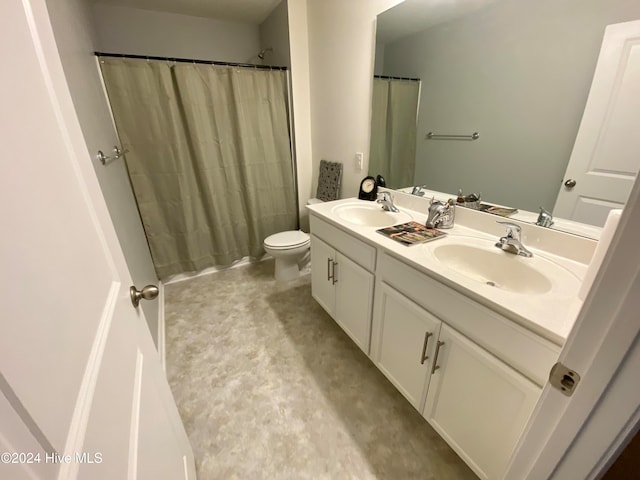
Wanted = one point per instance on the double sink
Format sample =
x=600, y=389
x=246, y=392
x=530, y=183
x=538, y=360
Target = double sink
x=471, y=254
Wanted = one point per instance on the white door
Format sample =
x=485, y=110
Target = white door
x=606, y=155
x=81, y=383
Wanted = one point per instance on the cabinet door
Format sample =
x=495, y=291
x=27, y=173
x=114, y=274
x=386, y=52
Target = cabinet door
x=322, y=268
x=406, y=337
x=354, y=299
x=477, y=403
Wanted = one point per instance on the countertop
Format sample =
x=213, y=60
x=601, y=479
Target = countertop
x=550, y=314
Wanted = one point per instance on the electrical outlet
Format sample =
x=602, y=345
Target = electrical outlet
x=359, y=160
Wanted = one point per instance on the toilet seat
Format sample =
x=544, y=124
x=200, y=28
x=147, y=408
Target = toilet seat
x=287, y=240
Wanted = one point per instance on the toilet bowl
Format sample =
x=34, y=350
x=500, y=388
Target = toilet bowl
x=288, y=249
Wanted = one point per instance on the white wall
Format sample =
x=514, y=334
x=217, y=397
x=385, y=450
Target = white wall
x=331, y=49
x=146, y=32
x=301, y=99
x=274, y=33
x=72, y=27
x=518, y=75
x=341, y=55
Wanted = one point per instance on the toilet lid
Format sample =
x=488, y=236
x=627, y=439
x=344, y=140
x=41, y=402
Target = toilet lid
x=291, y=238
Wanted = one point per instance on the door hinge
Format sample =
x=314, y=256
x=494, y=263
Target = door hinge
x=564, y=379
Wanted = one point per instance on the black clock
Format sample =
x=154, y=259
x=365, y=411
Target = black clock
x=368, y=189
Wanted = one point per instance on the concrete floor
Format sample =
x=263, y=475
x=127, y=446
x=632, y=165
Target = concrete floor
x=270, y=387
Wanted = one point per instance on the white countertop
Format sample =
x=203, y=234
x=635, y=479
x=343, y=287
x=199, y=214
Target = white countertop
x=550, y=314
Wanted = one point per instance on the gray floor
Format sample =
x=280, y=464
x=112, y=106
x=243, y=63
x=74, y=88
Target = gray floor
x=269, y=387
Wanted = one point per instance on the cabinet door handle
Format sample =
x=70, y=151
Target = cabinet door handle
x=334, y=279
x=424, y=357
x=435, y=357
x=329, y=265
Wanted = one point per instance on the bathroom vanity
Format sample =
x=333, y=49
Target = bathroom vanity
x=466, y=332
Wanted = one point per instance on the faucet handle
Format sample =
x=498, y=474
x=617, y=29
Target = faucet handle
x=513, y=230
x=545, y=219
x=435, y=202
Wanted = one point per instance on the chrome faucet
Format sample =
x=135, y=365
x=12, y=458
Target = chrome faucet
x=417, y=190
x=545, y=219
x=511, y=241
x=441, y=214
x=386, y=200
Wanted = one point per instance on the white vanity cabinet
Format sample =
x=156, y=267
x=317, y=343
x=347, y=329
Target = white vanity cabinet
x=342, y=280
x=472, y=372
x=404, y=343
x=460, y=382
x=477, y=403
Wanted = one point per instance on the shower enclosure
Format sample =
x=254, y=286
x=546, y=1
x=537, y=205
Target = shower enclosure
x=209, y=156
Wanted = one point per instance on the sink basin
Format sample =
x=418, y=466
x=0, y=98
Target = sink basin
x=481, y=261
x=369, y=215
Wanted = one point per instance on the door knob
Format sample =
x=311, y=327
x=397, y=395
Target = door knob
x=570, y=183
x=148, y=293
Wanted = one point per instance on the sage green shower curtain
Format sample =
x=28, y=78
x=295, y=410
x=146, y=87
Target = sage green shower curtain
x=209, y=158
x=393, y=130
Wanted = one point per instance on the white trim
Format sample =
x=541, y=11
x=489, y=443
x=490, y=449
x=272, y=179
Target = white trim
x=185, y=464
x=134, y=432
x=181, y=277
x=162, y=350
x=84, y=402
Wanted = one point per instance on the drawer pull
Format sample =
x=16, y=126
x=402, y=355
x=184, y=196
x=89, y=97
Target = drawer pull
x=334, y=279
x=435, y=357
x=424, y=357
x=329, y=265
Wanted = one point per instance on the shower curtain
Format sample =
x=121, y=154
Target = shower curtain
x=393, y=130
x=209, y=158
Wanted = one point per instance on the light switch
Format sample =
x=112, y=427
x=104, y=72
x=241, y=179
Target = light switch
x=359, y=161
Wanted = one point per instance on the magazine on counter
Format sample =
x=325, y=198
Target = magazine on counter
x=496, y=210
x=411, y=233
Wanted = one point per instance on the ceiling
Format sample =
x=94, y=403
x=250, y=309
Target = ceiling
x=242, y=11
x=413, y=16
x=408, y=17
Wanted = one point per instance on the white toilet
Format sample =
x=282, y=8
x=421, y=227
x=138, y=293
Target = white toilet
x=290, y=250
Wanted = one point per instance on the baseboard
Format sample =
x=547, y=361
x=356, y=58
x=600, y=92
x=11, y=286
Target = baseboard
x=181, y=277
x=161, y=330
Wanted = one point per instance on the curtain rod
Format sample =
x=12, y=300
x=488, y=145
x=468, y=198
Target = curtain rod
x=188, y=60
x=384, y=77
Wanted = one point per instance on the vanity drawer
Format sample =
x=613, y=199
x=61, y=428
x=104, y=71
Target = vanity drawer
x=522, y=349
x=358, y=251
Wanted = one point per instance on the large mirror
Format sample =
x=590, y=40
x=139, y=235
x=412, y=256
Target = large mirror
x=518, y=73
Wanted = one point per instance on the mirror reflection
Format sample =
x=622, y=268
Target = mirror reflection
x=516, y=73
